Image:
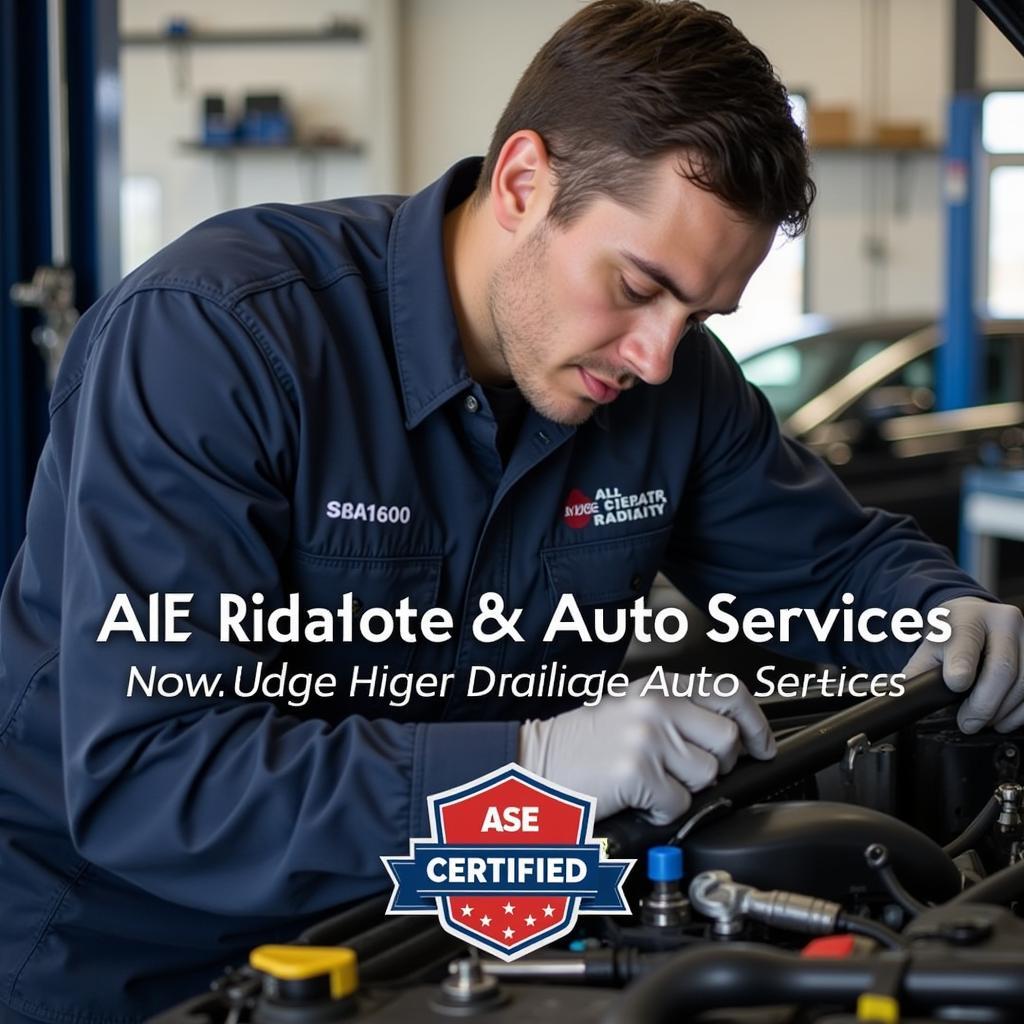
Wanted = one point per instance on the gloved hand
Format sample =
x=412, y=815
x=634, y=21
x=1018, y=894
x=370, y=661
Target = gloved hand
x=981, y=630
x=650, y=752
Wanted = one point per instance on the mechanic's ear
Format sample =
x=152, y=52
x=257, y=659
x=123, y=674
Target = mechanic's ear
x=521, y=187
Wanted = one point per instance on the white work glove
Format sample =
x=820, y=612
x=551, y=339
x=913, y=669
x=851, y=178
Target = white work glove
x=988, y=634
x=650, y=752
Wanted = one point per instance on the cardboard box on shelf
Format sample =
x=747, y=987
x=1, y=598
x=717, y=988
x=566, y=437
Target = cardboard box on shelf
x=911, y=134
x=831, y=126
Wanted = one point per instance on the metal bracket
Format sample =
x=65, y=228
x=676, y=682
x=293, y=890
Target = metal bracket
x=855, y=747
x=52, y=292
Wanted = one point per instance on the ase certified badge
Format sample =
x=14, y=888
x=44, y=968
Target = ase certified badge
x=509, y=864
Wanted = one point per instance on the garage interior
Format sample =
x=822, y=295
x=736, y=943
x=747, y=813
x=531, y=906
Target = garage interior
x=832, y=884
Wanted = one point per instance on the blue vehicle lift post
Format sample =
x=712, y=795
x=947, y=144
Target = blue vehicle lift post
x=959, y=357
x=48, y=223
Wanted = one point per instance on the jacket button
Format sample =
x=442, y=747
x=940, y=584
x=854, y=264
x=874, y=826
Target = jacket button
x=637, y=583
x=471, y=404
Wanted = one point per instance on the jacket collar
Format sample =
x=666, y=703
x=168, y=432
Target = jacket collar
x=431, y=364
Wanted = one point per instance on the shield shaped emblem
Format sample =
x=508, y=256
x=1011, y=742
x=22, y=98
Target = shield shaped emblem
x=510, y=864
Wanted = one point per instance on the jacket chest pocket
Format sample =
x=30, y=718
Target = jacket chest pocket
x=323, y=581
x=605, y=576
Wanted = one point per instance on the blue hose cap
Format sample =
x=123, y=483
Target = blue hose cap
x=664, y=864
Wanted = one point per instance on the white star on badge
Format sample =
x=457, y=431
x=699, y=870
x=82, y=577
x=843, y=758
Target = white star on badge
x=530, y=920
x=549, y=911
x=467, y=910
x=508, y=908
x=485, y=921
x=508, y=933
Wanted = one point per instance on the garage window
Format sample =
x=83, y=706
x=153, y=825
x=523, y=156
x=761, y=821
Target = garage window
x=1003, y=138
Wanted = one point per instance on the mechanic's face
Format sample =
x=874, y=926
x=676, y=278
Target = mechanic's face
x=582, y=313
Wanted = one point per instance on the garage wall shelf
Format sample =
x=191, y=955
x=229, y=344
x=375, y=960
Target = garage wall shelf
x=876, y=149
x=338, y=68
x=336, y=32
x=242, y=149
x=181, y=41
x=309, y=154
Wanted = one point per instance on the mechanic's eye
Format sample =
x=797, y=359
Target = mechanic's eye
x=632, y=295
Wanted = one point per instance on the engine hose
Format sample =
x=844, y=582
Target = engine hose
x=356, y=919
x=813, y=748
x=388, y=934
x=739, y=975
x=969, y=838
x=912, y=906
x=877, y=857
x=412, y=957
x=1002, y=888
x=871, y=929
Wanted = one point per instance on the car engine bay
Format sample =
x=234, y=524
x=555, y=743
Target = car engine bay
x=873, y=871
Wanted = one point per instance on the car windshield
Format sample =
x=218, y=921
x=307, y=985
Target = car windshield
x=793, y=373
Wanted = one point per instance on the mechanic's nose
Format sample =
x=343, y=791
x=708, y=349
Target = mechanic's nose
x=649, y=352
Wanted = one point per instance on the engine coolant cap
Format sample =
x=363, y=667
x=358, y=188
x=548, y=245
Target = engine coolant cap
x=665, y=864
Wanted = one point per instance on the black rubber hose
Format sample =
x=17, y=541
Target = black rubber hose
x=871, y=929
x=877, y=856
x=813, y=748
x=388, y=934
x=969, y=838
x=1000, y=889
x=713, y=977
x=347, y=923
x=413, y=957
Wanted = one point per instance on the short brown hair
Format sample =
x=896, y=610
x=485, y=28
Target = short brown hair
x=625, y=81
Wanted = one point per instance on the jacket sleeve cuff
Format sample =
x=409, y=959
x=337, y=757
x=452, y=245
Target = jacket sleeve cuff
x=448, y=754
x=951, y=593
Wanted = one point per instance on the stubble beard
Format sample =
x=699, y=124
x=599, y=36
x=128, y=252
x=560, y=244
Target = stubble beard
x=519, y=304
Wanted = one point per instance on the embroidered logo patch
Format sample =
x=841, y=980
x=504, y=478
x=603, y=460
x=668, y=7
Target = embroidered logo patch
x=609, y=505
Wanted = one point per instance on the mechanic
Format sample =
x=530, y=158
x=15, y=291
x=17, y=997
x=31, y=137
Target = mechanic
x=484, y=358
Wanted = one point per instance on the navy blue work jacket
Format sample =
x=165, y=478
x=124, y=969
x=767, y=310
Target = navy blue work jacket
x=213, y=415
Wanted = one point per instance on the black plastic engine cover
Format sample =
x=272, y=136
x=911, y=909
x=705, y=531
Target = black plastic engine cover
x=946, y=777
x=817, y=848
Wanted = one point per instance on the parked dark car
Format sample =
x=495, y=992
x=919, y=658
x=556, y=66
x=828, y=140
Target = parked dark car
x=863, y=397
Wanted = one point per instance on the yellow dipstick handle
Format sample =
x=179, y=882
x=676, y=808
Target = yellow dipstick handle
x=878, y=1009
x=300, y=963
